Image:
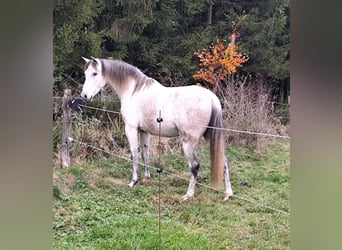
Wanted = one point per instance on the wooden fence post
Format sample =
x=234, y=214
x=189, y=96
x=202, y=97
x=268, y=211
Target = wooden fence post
x=64, y=150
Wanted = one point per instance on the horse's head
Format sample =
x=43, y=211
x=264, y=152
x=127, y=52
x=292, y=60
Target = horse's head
x=94, y=79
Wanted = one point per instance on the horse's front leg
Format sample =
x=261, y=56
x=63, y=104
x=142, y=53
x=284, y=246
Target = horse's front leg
x=132, y=136
x=144, y=143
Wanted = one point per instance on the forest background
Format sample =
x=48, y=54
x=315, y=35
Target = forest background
x=161, y=36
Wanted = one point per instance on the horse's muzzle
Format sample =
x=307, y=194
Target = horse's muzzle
x=84, y=95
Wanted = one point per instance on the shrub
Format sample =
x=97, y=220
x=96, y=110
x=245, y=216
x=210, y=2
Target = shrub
x=95, y=127
x=247, y=107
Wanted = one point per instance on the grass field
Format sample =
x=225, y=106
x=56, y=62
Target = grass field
x=95, y=209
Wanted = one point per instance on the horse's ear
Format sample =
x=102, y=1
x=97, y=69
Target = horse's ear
x=95, y=60
x=85, y=59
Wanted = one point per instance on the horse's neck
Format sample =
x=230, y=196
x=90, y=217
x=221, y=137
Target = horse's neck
x=121, y=89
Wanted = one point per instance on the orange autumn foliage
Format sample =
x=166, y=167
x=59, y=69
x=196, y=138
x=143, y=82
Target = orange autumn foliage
x=219, y=61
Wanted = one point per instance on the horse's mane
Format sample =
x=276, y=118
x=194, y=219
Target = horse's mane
x=120, y=72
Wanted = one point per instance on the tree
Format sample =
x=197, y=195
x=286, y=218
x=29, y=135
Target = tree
x=265, y=37
x=219, y=61
x=167, y=43
x=73, y=34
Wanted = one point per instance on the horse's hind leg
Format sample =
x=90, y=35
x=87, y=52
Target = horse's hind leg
x=229, y=191
x=189, y=148
x=144, y=142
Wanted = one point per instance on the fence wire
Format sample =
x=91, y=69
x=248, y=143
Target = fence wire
x=181, y=177
x=224, y=129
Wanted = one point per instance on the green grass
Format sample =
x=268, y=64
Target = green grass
x=95, y=209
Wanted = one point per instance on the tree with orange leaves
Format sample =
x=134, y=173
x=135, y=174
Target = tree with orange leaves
x=219, y=61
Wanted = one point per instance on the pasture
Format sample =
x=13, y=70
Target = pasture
x=94, y=208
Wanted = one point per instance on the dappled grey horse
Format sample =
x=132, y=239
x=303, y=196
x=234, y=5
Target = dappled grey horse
x=189, y=112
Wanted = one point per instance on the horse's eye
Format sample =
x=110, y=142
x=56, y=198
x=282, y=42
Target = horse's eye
x=94, y=74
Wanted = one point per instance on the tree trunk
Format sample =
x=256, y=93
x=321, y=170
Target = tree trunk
x=210, y=13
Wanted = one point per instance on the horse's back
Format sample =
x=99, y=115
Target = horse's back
x=194, y=99
x=185, y=109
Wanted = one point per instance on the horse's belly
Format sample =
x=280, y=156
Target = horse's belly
x=166, y=130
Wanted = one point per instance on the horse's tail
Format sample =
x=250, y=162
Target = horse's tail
x=215, y=136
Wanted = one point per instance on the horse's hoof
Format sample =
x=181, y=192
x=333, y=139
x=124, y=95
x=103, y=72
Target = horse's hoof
x=186, y=197
x=132, y=183
x=226, y=198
